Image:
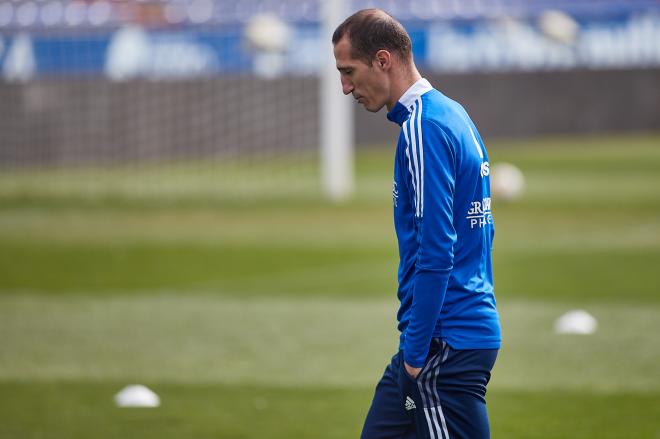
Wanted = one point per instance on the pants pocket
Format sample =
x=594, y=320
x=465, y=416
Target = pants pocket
x=407, y=384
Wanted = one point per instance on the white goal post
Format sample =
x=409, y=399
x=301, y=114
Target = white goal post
x=337, y=134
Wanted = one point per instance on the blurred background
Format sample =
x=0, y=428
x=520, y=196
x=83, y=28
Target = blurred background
x=188, y=203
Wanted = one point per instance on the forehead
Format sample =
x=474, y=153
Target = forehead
x=343, y=54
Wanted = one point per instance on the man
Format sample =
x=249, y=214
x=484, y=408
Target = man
x=435, y=385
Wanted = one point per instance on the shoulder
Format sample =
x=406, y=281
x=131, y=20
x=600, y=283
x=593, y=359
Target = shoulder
x=433, y=112
x=444, y=115
x=441, y=110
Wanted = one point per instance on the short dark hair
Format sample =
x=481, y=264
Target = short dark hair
x=371, y=30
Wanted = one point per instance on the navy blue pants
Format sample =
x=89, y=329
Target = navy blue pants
x=446, y=400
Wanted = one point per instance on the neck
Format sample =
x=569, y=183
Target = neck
x=401, y=83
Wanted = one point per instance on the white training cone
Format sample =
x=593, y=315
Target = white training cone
x=137, y=395
x=576, y=322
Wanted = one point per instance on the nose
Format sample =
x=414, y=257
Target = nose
x=346, y=86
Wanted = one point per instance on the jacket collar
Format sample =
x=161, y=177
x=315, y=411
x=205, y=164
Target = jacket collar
x=399, y=113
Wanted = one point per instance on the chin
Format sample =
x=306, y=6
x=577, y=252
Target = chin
x=373, y=109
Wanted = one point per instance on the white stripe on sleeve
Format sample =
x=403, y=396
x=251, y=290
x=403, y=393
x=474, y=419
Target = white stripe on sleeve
x=421, y=157
x=476, y=143
x=414, y=144
x=410, y=169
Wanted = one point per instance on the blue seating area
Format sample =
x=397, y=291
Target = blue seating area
x=188, y=38
x=31, y=14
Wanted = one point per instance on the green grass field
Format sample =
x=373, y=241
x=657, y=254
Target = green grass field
x=272, y=316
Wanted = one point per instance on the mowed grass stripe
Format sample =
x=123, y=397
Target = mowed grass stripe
x=223, y=269
x=556, y=273
x=76, y=410
x=336, y=343
x=325, y=227
x=594, y=275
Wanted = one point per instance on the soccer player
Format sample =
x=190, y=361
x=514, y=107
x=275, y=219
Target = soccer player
x=435, y=385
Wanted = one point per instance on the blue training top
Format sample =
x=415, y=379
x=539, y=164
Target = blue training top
x=443, y=222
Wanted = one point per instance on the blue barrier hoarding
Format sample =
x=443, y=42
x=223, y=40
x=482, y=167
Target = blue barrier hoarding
x=458, y=45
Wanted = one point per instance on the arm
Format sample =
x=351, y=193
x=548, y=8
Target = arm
x=432, y=159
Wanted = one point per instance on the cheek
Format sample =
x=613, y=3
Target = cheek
x=374, y=87
x=357, y=83
x=382, y=90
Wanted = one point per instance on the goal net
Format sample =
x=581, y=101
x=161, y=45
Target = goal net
x=159, y=99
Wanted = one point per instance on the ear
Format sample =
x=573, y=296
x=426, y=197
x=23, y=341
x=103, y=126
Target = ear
x=383, y=59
